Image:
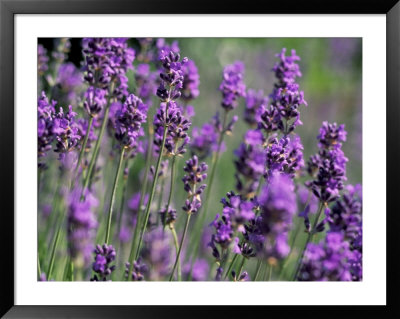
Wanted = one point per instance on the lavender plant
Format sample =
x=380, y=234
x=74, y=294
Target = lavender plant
x=120, y=129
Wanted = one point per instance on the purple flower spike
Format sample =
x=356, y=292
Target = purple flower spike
x=104, y=256
x=146, y=83
x=82, y=223
x=43, y=60
x=140, y=269
x=66, y=132
x=128, y=122
x=250, y=163
x=204, y=140
x=195, y=173
x=107, y=60
x=191, y=81
x=328, y=167
x=232, y=86
x=278, y=206
x=46, y=113
x=283, y=112
x=330, y=260
x=95, y=100
x=157, y=252
x=255, y=101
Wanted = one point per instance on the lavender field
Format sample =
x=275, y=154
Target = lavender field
x=199, y=159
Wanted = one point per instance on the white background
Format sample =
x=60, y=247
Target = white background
x=370, y=27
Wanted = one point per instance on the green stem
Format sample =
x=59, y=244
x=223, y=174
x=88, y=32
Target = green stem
x=53, y=251
x=310, y=234
x=170, y=189
x=114, y=190
x=84, y=144
x=197, y=237
x=176, y=243
x=257, y=270
x=180, y=246
x=270, y=272
x=122, y=204
x=241, y=266
x=160, y=194
x=98, y=141
x=142, y=196
x=230, y=266
x=153, y=187
x=38, y=266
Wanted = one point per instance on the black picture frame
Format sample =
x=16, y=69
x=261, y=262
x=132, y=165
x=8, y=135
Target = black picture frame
x=8, y=10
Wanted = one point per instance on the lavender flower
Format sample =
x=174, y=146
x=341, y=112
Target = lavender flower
x=328, y=260
x=65, y=131
x=195, y=174
x=329, y=164
x=278, y=206
x=128, y=122
x=157, y=253
x=83, y=126
x=69, y=83
x=204, y=140
x=286, y=70
x=232, y=85
x=346, y=218
x=62, y=48
x=95, y=100
x=255, y=101
x=191, y=81
x=199, y=272
x=42, y=60
x=250, y=163
x=104, y=256
x=140, y=269
x=46, y=113
x=169, y=116
x=81, y=224
x=284, y=155
x=107, y=60
x=146, y=83
x=236, y=213
x=283, y=113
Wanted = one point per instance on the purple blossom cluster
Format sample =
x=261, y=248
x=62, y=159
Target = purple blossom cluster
x=235, y=214
x=204, y=140
x=255, y=103
x=128, y=122
x=43, y=60
x=278, y=206
x=283, y=112
x=146, y=83
x=140, y=269
x=330, y=260
x=81, y=225
x=195, y=173
x=65, y=130
x=329, y=165
x=170, y=116
x=46, y=112
x=191, y=81
x=232, y=85
x=104, y=256
x=250, y=163
x=106, y=61
x=284, y=155
x=157, y=253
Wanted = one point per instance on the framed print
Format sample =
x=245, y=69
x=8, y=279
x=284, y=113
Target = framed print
x=181, y=159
